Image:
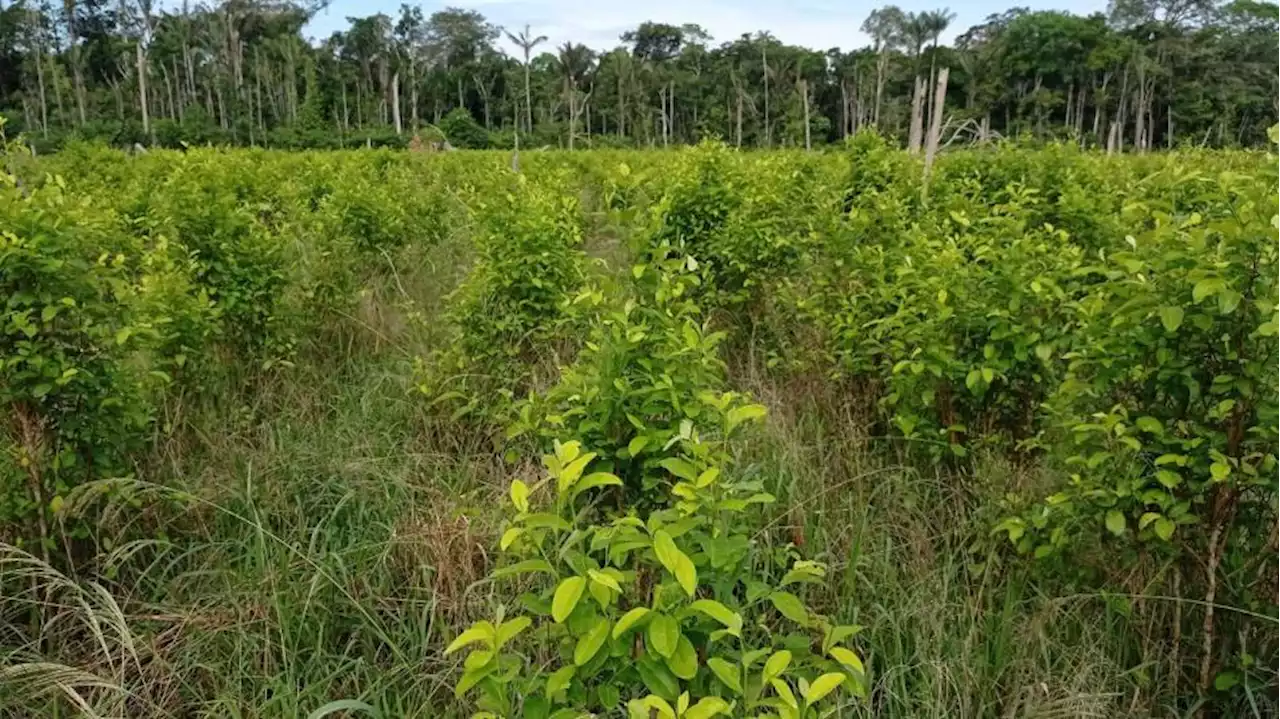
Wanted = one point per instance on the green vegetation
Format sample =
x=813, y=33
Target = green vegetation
x=689, y=434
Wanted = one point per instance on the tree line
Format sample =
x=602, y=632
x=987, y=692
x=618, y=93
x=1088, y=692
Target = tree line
x=1147, y=74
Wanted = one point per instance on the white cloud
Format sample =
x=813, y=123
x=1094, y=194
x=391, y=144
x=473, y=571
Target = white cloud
x=817, y=24
x=599, y=23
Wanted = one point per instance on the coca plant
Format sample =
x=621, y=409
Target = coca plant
x=649, y=599
x=1167, y=414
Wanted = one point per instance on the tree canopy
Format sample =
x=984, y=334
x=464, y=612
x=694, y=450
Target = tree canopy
x=1145, y=74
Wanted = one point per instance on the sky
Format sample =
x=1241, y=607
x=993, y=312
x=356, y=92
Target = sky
x=817, y=24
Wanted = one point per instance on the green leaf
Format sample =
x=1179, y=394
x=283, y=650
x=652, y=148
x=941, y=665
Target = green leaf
x=481, y=631
x=840, y=633
x=686, y=574
x=604, y=580
x=629, y=620
x=477, y=659
x=559, y=680
x=790, y=606
x=726, y=672
x=571, y=472
x=649, y=706
x=1228, y=301
x=822, y=686
x=707, y=477
x=719, y=612
x=1219, y=471
x=745, y=413
x=511, y=629
x=664, y=634
x=596, y=479
x=784, y=692
x=1226, y=681
x=1165, y=528
x=566, y=597
x=1171, y=318
x=679, y=468
x=1115, y=522
x=590, y=643
x=1168, y=479
x=520, y=495
x=707, y=707
x=775, y=665
x=848, y=658
x=675, y=561
x=658, y=679
x=545, y=520
x=683, y=662
x=534, y=708
x=471, y=678
x=1150, y=425
x=528, y=566
x=637, y=445
x=609, y=696
x=508, y=537
x=1206, y=288
x=973, y=380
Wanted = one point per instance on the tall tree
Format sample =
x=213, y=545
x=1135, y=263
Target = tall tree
x=576, y=63
x=886, y=27
x=526, y=41
x=1146, y=74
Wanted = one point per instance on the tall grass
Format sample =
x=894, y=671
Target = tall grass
x=949, y=630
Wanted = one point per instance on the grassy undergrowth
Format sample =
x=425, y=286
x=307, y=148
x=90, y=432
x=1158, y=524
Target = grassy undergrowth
x=325, y=545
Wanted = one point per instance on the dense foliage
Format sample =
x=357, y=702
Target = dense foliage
x=1145, y=74
x=1107, y=323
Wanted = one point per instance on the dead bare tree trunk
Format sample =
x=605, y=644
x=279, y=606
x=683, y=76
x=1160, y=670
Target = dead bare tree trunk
x=395, y=101
x=738, y=122
x=916, y=136
x=44, y=104
x=764, y=61
x=882, y=63
x=804, y=96
x=181, y=108
x=142, y=88
x=413, y=94
x=935, y=127
x=77, y=73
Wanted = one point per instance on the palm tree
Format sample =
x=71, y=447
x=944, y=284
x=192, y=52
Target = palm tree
x=934, y=23
x=527, y=43
x=763, y=38
x=575, y=64
x=916, y=31
x=885, y=26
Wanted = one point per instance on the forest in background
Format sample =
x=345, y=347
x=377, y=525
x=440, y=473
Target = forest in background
x=1147, y=74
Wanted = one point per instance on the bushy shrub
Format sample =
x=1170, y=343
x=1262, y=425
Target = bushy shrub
x=92, y=326
x=650, y=602
x=462, y=130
